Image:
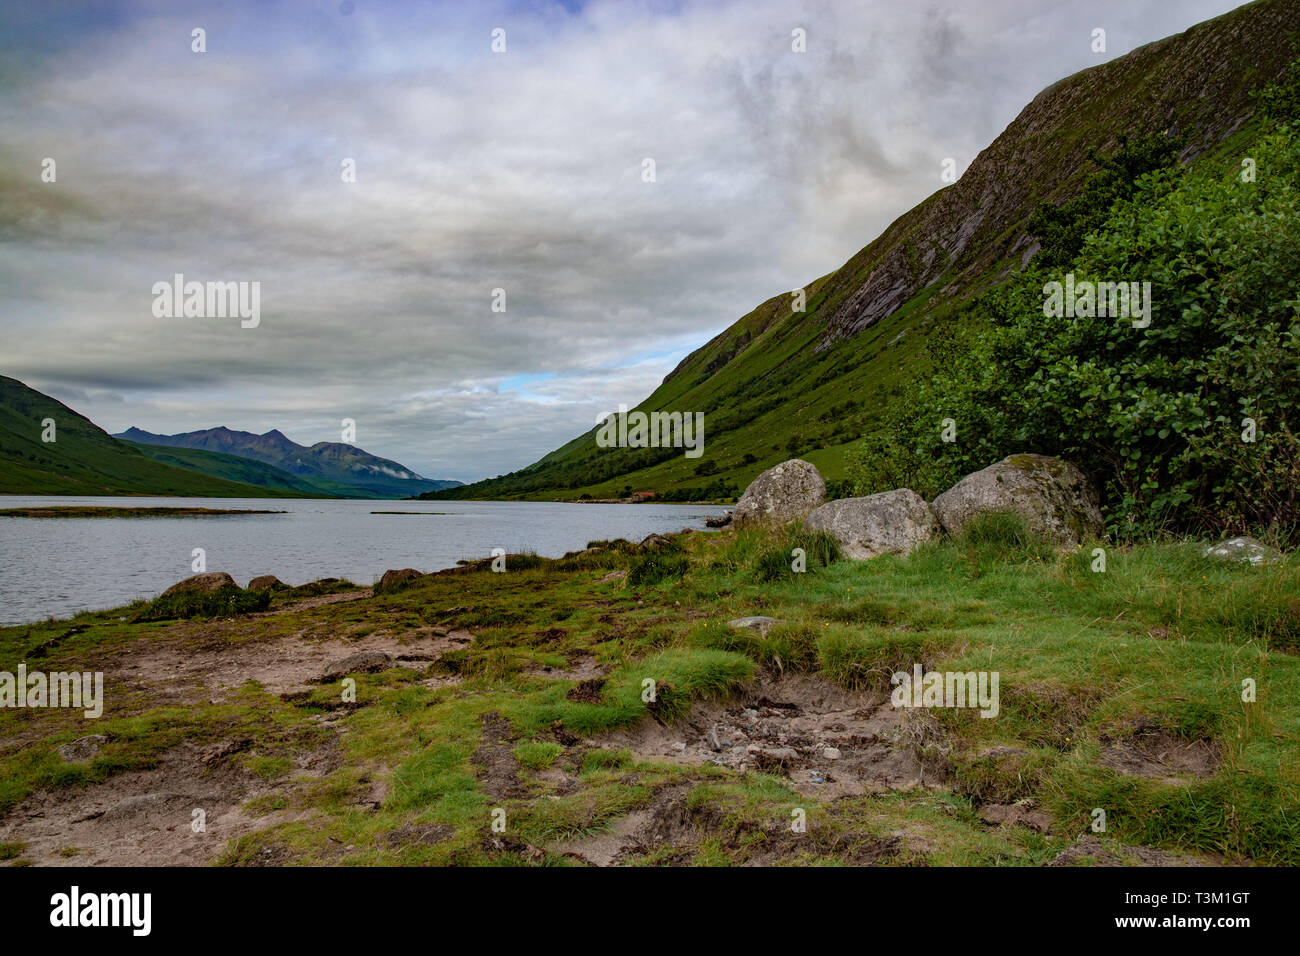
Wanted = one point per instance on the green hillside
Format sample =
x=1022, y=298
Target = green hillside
x=86, y=460
x=780, y=383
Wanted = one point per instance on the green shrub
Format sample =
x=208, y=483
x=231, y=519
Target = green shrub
x=1003, y=536
x=657, y=566
x=187, y=604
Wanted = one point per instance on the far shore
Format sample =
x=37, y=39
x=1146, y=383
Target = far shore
x=105, y=511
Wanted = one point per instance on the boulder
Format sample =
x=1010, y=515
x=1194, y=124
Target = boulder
x=204, y=583
x=1053, y=497
x=364, y=662
x=1243, y=550
x=757, y=623
x=787, y=492
x=393, y=578
x=267, y=582
x=655, y=542
x=892, y=522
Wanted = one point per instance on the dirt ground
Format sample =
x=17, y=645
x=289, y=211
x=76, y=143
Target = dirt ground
x=131, y=818
x=826, y=741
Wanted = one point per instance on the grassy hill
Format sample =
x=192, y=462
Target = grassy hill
x=86, y=460
x=780, y=383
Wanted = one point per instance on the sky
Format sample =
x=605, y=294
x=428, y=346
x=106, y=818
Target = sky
x=521, y=168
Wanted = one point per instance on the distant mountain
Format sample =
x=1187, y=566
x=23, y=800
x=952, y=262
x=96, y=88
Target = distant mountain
x=786, y=382
x=333, y=467
x=83, y=459
x=234, y=468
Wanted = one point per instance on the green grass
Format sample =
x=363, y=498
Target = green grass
x=187, y=604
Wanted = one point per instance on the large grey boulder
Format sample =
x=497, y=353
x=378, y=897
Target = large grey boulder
x=892, y=522
x=787, y=492
x=1053, y=497
x=205, y=583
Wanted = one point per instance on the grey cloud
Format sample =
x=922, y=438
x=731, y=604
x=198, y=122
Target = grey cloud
x=475, y=171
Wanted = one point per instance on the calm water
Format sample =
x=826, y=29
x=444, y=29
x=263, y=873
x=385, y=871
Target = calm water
x=54, y=567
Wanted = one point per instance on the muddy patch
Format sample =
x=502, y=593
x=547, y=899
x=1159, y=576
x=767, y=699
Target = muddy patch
x=671, y=830
x=410, y=834
x=1016, y=814
x=284, y=665
x=1091, y=851
x=498, y=773
x=828, y=742
x=582, y=667
x=146, y=818
x=588, y=691
x=1149, y=751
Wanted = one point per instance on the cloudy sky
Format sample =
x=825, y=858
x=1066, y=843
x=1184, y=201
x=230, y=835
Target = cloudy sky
x=475, y=170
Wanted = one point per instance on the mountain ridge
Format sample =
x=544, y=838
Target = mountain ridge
x=77, y=457
x=335, y=463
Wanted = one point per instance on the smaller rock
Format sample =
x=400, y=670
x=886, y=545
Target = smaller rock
x=365, y=662
x=82, y=749
x=831, y=753
x=1243, y=550
x=267, y=582
x=757, y=623
x=718, y=522
x=205, y=583
x=655, y=542
x=393, y=579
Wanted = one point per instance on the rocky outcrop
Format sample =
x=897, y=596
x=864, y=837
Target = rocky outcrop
x=1054, y=498
x=787, y=492
x=205, y=583
x=892, y=522
x=363, y=662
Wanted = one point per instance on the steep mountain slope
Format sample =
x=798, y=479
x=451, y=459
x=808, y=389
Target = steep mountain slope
x=780, y=383
x=343, y=468
x=85, y=460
